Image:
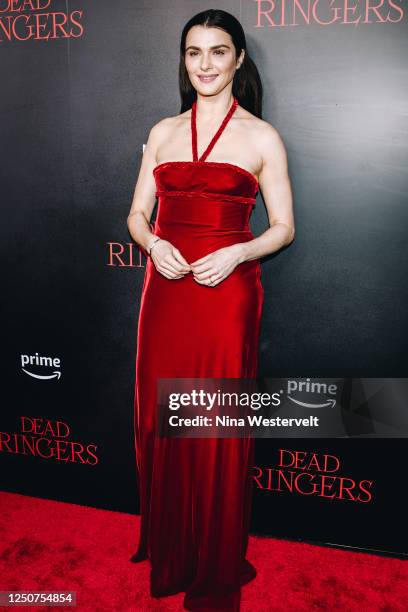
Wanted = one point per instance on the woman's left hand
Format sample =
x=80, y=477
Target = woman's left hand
x=213, y=268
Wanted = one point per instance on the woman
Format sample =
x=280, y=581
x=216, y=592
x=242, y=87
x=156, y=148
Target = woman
x=201, y=306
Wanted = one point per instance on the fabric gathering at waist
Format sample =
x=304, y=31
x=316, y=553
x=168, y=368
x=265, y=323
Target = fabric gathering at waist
x=206, y=194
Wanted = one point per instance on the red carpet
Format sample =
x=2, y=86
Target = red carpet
x=48, y=545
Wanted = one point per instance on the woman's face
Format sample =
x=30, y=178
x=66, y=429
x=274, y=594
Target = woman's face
x=210, y=59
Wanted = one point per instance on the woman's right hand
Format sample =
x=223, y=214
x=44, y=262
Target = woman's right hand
x=168, y=260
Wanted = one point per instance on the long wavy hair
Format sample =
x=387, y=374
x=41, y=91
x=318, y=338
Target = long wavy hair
x=246, y=86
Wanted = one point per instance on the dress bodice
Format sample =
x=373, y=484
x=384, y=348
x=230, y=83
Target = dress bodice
x=206, y=179
x=199, y=178
x=204, y=205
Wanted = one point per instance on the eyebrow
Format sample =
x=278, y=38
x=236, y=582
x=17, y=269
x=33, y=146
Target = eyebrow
x=214, y=47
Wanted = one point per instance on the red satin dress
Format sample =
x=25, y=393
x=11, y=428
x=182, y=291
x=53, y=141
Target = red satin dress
x=196, y=493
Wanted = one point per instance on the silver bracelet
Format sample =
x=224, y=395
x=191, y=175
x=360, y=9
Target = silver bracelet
x=157, y=240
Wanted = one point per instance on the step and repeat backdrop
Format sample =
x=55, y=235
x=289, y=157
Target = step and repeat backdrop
x=83, y=82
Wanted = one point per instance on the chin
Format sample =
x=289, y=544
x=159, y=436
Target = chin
x=210, y=89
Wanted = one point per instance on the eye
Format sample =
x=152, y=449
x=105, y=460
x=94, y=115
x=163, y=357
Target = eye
x=220, y=52
x=193, y=53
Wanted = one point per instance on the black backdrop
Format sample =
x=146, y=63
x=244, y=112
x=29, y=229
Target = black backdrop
x=78, y=100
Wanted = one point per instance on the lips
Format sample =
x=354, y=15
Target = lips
x=208, y=78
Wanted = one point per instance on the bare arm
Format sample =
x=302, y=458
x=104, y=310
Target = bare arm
x=166, y=257
x=138, y=220
x=276, y=189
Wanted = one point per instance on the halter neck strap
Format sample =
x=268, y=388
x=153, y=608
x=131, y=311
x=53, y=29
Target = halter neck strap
x=216, y=135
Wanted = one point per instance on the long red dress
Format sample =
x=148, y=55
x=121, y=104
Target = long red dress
x=196, y=493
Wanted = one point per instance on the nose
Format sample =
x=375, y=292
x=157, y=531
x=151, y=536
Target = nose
x=205, y=62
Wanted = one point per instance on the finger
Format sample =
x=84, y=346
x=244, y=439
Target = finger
x=206, y=283
x=166, y=266
x=206, y=275
x=169, y=273
x=179, y=266
x=169, y=277
x=207, y=265
x=169, y=268
x=180, y=258
x=201, y=260
x=173, y=264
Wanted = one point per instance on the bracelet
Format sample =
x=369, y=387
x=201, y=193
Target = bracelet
x=150, y=249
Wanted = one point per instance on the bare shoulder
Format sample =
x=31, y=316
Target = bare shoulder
x=164, y=131
x=269, y=143
x=165, y=126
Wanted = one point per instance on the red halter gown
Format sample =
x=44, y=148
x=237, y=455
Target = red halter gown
x=196, y=493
